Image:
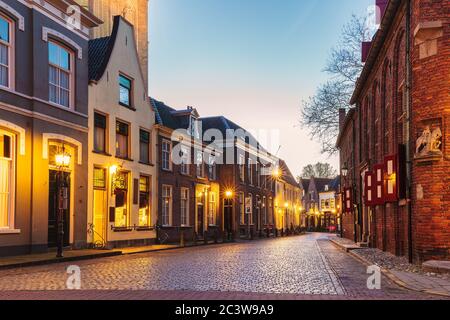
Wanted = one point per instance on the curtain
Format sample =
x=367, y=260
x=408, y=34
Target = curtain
x=5, y=176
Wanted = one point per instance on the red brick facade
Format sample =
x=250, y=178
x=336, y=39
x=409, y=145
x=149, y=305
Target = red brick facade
x=417, y=223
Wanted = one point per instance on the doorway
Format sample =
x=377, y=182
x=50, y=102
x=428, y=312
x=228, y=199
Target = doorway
x=228, y=215
x=200, y=215
x=58, y=180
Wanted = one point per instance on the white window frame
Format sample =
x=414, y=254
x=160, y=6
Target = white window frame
x=242, y=167
x=184, y=166
x=212, y=209
x=164, y=214
x=250, y=171
x=12, y=177
x=166, y=155
x=184, y=207
x=71, y=73
x=11, y=52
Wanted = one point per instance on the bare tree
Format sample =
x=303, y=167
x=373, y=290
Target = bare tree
x=319, y=170
x=320, y=113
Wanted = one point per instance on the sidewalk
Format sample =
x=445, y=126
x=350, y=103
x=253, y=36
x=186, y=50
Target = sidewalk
x=397, y=269
x=31, y=260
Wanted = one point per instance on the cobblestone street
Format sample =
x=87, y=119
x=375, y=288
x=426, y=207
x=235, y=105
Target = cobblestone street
x=288, y=268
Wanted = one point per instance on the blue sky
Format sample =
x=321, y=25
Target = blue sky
x=252, y=61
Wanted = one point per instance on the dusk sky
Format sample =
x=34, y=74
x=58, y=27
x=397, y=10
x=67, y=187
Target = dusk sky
x=252, y=61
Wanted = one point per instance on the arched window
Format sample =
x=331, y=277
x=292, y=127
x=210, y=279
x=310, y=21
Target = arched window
x=7, y=179
x=61, y=65
x=6, y=50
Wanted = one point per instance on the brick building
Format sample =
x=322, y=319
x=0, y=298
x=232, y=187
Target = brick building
x=394, y=152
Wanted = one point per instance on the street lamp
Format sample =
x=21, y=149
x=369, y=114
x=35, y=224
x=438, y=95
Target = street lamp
x=62, y=161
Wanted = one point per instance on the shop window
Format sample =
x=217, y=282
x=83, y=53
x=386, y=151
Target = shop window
x=7, y=180
x=121, y=193
x=144, y=201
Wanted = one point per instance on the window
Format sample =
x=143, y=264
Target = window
x=6, y=28
x=184, y=166
x=60, y=74
x=122, y=140
x=144, y=201
x=199, y=165
x=125, y=86
x=166, y=205
x=99, y=133
x=144, y=146
x=250, y=171
x=99, y=178
x=212, y=168
x=264, y=211
x=241, y=168
x=7, y=180
x=166, y=150
x=249, y=208
x=194, y=128
x=212, y=209
x=270, y=211
x=242, y=207
x=121, y=194
x=184, y=207
x=258, y=175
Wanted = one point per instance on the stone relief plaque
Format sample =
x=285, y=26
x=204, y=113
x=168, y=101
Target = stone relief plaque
x=429, y=142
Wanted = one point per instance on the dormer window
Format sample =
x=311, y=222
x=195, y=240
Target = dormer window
x=5, y=51
x=125, y=88
x=194, y=129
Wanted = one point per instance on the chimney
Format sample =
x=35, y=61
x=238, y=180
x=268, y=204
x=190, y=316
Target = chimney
x=342, y=114
x=381, y=6
x=365, y=50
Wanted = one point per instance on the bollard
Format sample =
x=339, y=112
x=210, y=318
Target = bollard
x=268, y=233
x=194, y=239
x=205, y=237
x=182, y=239
x=216, y=236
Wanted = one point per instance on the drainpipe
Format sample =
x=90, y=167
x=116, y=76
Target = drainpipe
x=355, y=215
x=408, y=127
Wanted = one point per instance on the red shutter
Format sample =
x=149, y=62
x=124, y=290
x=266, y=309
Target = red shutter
x=379, y=184
x=390, y=176
x=348, y=200
x=369, y=189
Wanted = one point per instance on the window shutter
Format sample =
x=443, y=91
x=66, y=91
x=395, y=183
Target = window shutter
x=348, y=200
x=379, y=184
x=401, y=179
x=369, y=188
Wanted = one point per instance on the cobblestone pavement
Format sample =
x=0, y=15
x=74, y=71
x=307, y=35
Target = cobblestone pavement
x=287, y=268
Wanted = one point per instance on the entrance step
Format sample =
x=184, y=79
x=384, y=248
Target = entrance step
x=363, y=244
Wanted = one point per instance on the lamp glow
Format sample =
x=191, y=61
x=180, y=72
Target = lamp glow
x=62, y=160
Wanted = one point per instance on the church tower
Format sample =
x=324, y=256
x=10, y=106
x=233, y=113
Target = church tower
x=134, y=11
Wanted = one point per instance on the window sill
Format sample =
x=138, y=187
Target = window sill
x=125, y=159
x=102, y=153
x=10, y=231
x=143, y=229
x=122, y=229
x=147, y=163
x=127, y=106
x=167, y=170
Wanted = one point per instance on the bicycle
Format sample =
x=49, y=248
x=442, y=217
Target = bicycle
x=161, y=235
x=99, y=244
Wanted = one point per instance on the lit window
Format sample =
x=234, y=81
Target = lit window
x=144, y=146
x=60, y=74
x=166, y=205
x=212, y=209
x=199, y=164
x=99, y=133
x=5, y=51
x=99, y=178
x=144, y=201
x=184, y=207
x=125, y=86
x=122, y=140
x=7, y=180
x=242, y=207
x=166, y=150
x=121, y=195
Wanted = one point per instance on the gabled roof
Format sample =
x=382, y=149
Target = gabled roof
x=170, y=117
x=320, y=184
x=377, y=44
x=287, y=175
x=100, y=51
x=305, y=183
